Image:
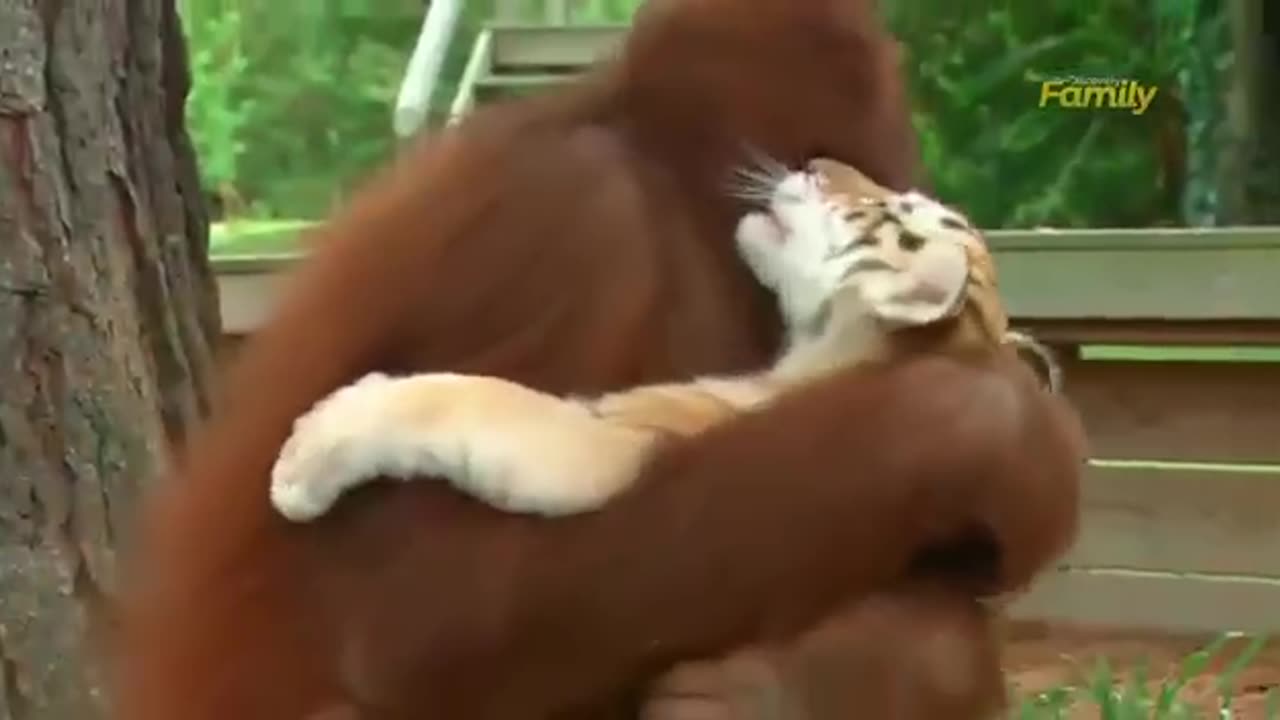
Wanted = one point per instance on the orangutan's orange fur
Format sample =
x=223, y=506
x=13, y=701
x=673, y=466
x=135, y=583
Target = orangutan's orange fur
x=582, y=242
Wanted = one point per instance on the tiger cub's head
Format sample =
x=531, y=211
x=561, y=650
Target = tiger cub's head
x=840, y=251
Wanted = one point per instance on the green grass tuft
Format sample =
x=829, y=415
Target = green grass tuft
x=1108, y=695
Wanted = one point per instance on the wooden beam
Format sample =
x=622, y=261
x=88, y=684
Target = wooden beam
x=1070, y=287
x=1183, y=550
x=1153, y=275
x=1204, y=411
x=1170, y=331
x=1169, y=602
x=248, y=289
x=1180, y=520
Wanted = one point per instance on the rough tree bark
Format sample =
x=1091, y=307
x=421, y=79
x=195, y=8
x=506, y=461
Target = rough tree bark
x=1263, y=196
x=107, y=317
x=1249, y=158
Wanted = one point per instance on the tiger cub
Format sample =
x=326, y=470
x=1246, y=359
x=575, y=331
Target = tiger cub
x=855, y=269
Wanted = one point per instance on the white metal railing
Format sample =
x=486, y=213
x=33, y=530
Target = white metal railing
x=413, y=104
x=476, y=64
x=440, y=25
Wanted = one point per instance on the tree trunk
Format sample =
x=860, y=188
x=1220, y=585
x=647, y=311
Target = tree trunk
x=1249, y=159
x=1263, y=200
x=108, y=316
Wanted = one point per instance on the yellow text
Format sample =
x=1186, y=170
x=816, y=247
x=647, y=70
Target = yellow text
x=1128, y=95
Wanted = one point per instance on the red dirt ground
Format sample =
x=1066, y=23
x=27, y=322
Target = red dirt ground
x=1039, y=656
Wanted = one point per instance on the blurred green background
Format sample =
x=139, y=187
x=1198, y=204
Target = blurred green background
x=292, y=103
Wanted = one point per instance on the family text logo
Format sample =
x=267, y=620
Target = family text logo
x=1097, y=94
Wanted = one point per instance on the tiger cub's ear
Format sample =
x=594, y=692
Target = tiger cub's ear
x=847, y=180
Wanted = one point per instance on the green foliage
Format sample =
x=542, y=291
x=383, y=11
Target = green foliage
x=1139, y=697
x=292, y=102
x=218, y=121
x=976, y=70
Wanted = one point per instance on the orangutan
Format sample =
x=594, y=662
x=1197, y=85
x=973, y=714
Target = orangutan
x=580, y=242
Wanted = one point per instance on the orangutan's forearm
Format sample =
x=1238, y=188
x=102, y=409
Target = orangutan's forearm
x=768, y=521
x=753, y=530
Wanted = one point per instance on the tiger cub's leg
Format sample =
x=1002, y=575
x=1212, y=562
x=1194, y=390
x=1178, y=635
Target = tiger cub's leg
x=688, y=408
x=512, y=447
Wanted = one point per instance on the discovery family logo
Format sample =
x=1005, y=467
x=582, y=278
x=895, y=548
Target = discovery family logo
x=1093, y=93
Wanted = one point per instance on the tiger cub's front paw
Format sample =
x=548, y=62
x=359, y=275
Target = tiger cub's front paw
x=299, y=490
x=332, y=449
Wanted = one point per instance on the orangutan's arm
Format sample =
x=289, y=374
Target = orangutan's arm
x=758, y=527
x=771, y=520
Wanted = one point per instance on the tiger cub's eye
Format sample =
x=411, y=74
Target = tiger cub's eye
x=909, y=241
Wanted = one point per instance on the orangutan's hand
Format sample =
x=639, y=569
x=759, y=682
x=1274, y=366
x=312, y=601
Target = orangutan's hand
x=744, y=686
x=910, y=654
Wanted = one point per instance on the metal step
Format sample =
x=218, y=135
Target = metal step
x=498, y=87
x=516, y=60
x=544, y=50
